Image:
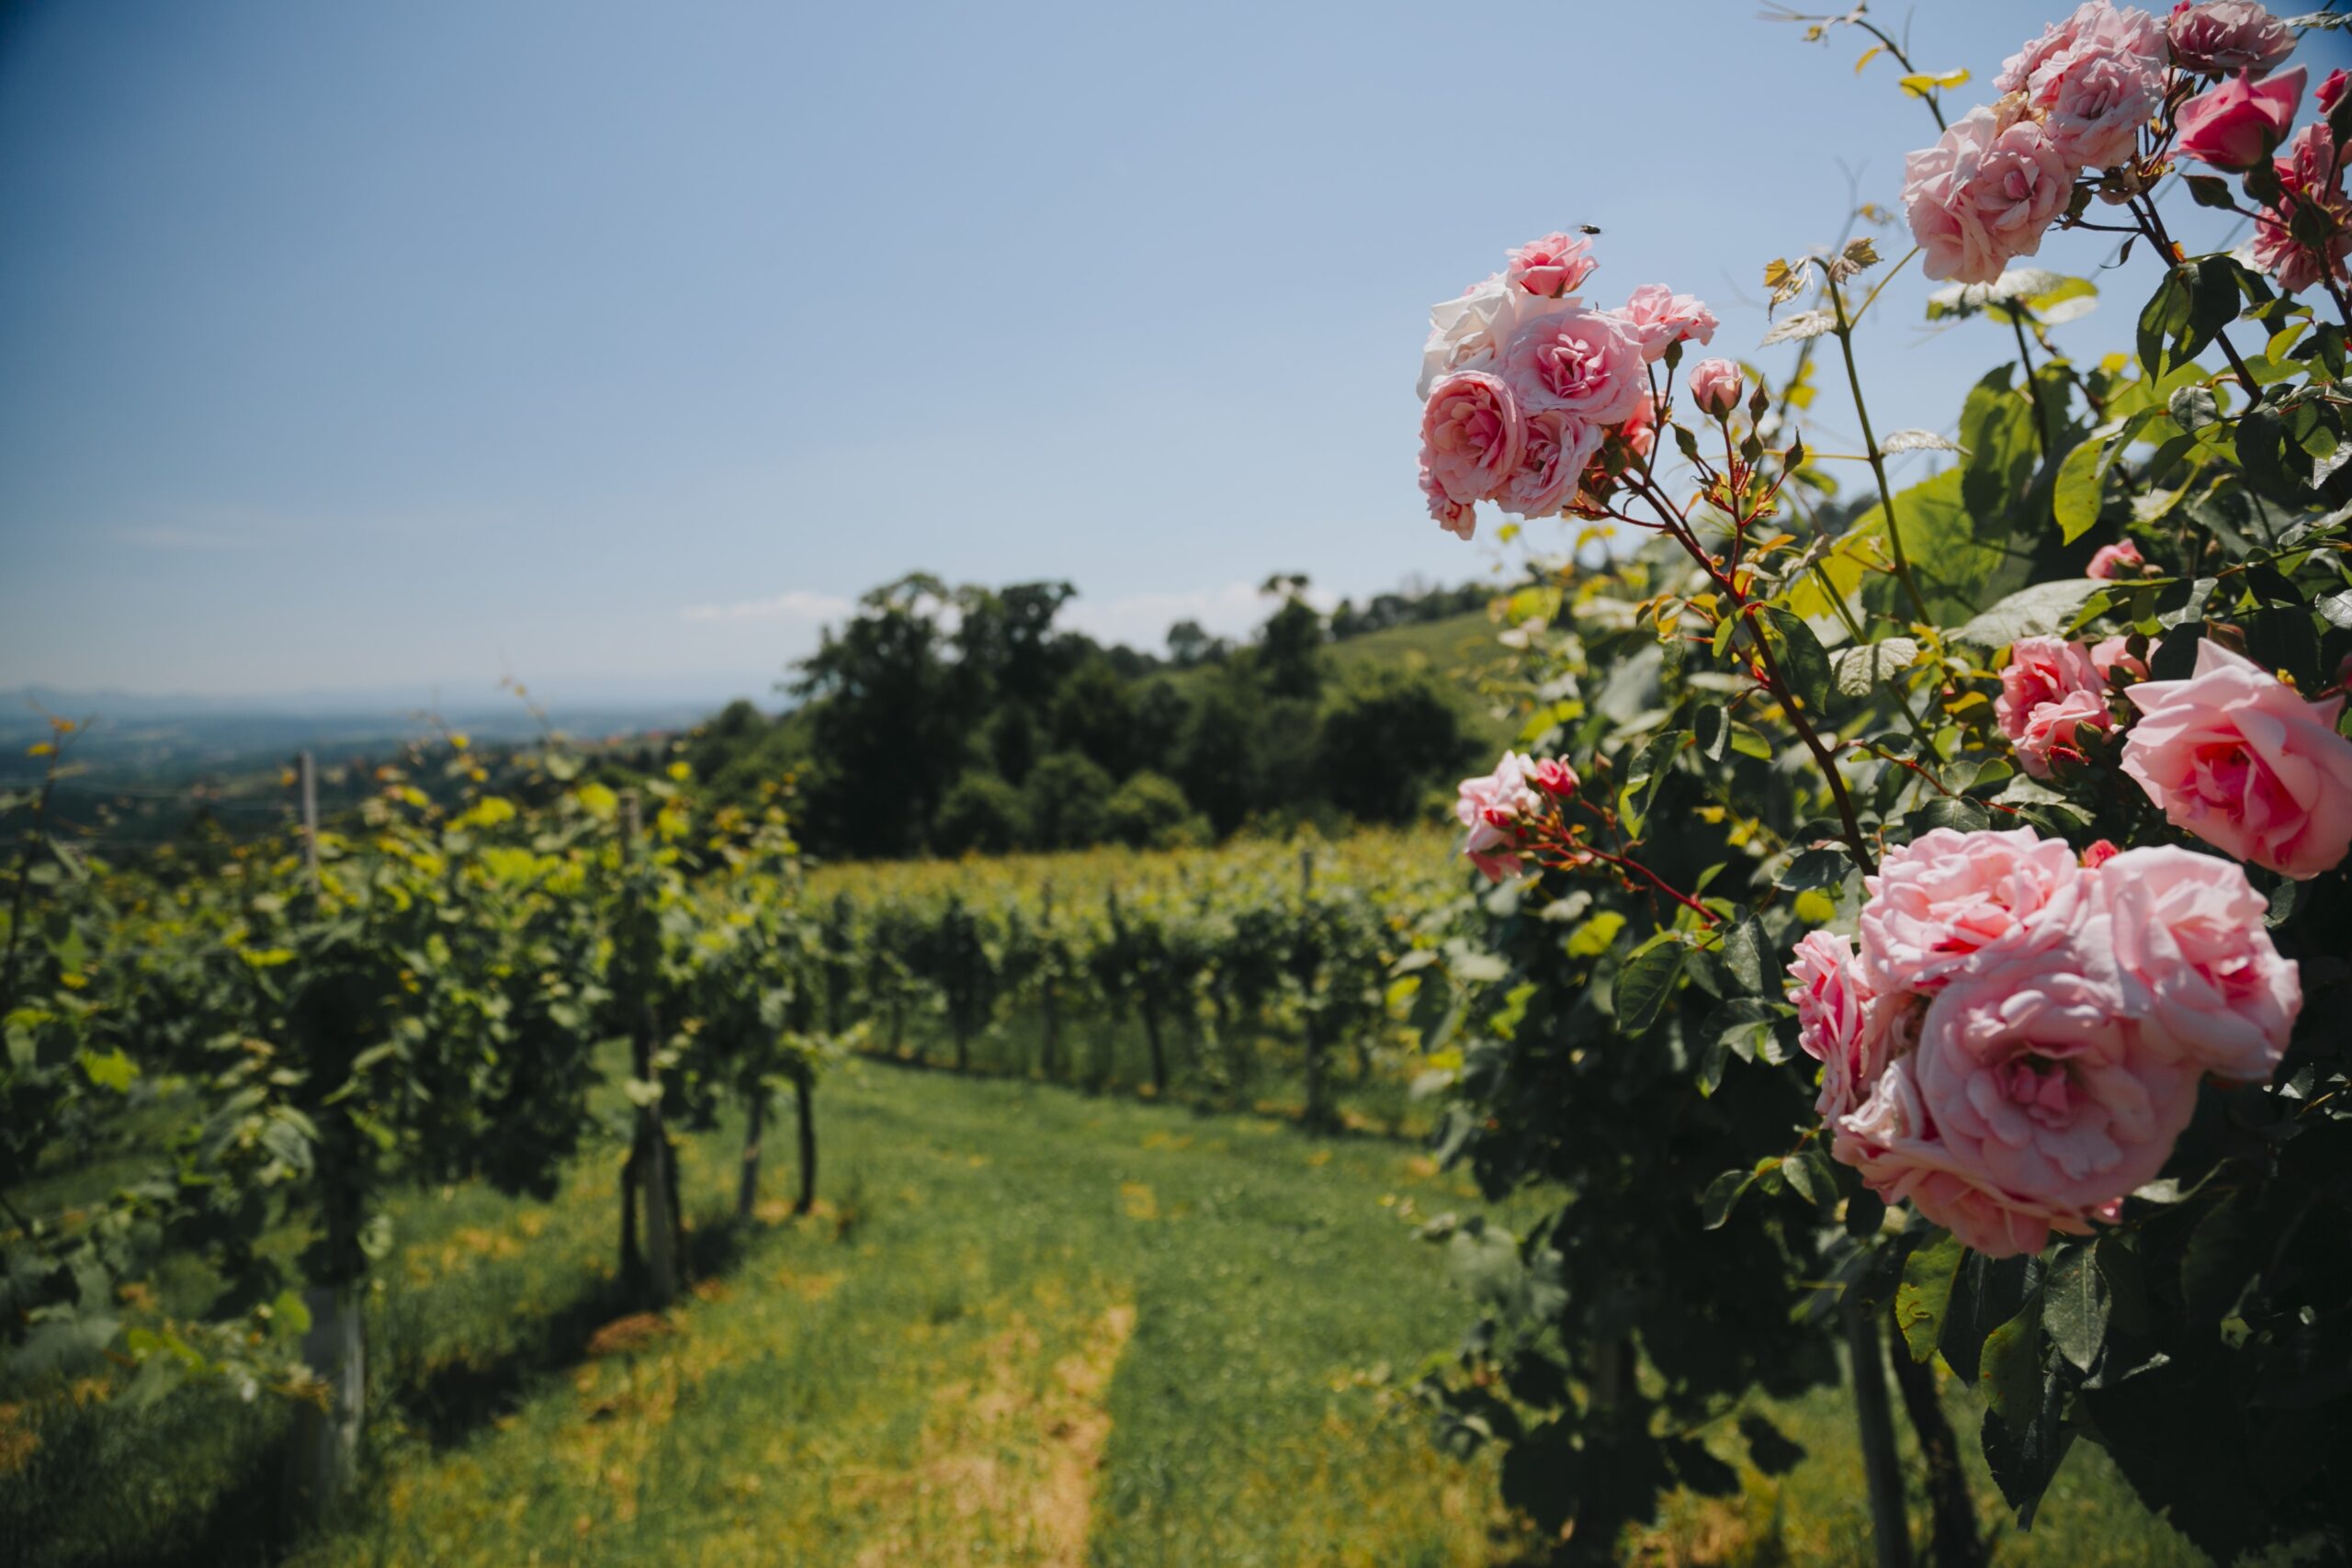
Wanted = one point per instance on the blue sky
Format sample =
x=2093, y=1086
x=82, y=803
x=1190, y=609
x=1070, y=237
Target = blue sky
x=350, y=345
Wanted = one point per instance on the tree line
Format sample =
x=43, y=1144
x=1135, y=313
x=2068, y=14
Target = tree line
x=949, y=721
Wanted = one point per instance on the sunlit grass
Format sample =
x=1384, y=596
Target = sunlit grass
x=1026, y=1325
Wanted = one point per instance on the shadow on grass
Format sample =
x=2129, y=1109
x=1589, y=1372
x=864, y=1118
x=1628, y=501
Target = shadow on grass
x=246, y=1522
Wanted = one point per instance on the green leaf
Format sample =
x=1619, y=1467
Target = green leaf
x=1748, y=955
x=2042, y=610
x=1811, y=1179
x=2210, y=190
x=1818, y=868
x=1716, y=1202
x=2081, y=492
x=114, y=1070
x=1644, y=983
x=2010, y=1371
x=1644, y=777
x=1923, y=1298
x=1862, y=672
x=2074, y=1305
x=1803, y=664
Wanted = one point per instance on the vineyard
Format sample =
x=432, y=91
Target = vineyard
x=230, y=1087
x=1863, y=1076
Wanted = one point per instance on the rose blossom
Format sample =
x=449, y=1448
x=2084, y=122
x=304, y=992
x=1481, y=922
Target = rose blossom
x=2308, y=172
x=1556, y=778
x=1558, y=447
x=2189, y=937
x=1580, y=362
x=1461, y=333
x=1458, y=518
x=1716, y=386
x=1948, y=903
x=2220, y=38
x=2236, y=124
x=2115, y=561
x=1484, y=805
x=1473, y=434
x=2234, y=756
x=1890, y=1139
x=1553, y=267
x=1983, y=194
x=2095, y=79
x=1660, y=318
x=1836, y=1021
x=2331, y=90
x=2049, y=689
x=2042, y=1095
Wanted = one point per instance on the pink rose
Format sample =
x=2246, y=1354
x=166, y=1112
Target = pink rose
x=2057, y=38
x=2330, y=91
x=1639, y=432
x=1473, y=434
x=2110, y=561
x=2100, y=853
x=1948, y=903
x=1558, y=447
x=2038, y=1080
x=2030, y=1099
x=1488, y=806
x=2095, y=80
x=2310, y=174
x=1456, y=517
x=1890, y=1139
x=2236, y=124
x=1551, y=267
x=1660, y=318
x=1982, y=195
x=2189, y=936
x=2222, y=38
x=1716, y=386
x=1580, y=362
x=2234, y=756
x=1835, y=1021
x=2049, y=689
x=1556, y=778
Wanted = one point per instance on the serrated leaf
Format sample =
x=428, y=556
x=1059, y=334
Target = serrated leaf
x=1644, y=983
x=2074, y=1307
x=2042, y=610
x=1860, y=672
x=1923, y=1298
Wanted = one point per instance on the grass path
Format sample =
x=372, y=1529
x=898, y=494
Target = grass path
x=1028, y=1326
x=1031, y=1327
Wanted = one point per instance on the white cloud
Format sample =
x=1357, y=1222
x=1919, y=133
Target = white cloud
x=798, y=604
x=1142, y=620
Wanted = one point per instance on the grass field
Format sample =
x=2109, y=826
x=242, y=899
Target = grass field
x=1026, y=1326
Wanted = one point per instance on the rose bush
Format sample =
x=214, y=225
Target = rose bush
x=1929, y=916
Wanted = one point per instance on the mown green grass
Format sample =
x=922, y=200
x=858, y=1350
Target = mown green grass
x=1027, y=1325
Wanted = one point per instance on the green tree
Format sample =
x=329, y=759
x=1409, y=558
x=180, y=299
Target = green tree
x=981, y=812
x=1069, y=793
x=1387, y=737
x=1149, y=811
